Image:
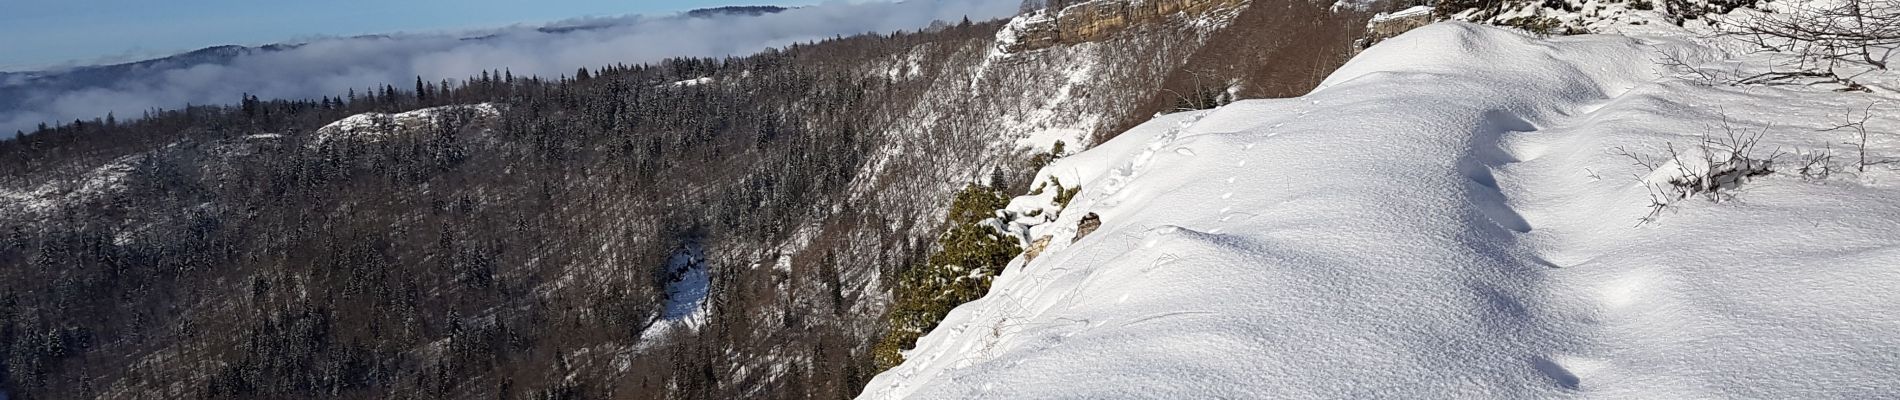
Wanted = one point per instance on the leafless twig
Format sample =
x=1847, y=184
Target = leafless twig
x=1859, y=126
x=1823, y=37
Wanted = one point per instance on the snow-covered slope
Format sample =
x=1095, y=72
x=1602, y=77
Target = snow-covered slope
x=1447, y=217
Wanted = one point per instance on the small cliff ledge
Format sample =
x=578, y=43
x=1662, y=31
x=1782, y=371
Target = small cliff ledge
x=1097, y=19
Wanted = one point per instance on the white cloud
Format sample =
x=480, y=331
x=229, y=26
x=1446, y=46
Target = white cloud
x=334, y=66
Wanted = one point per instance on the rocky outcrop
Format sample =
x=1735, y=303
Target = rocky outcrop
x=1088, y=225
x=1388, y=25
x=1098, y=19
x=1036, y=247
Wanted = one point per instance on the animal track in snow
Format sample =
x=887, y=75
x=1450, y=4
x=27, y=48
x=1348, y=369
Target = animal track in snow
x=1121, y=176
x=1166, y=315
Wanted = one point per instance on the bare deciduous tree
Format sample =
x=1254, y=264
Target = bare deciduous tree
x=1823, y=36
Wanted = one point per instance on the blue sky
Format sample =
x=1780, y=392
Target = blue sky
x=41, y=33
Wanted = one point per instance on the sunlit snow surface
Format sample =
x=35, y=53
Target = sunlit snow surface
x=1445, y=218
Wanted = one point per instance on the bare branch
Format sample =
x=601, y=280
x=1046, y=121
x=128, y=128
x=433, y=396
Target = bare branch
x=1823, y=38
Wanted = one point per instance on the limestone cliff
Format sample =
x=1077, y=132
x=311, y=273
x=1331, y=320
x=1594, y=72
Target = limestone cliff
x=1094, y=20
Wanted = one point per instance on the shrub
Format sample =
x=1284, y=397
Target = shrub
x=1713, y=169
x=1043, y=159
x=1064, y=194
x=970, y=254
x=1543, y=26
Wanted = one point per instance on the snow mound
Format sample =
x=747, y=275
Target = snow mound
x=1443, y=218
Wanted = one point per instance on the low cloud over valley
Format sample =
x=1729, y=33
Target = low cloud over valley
x=331, y=67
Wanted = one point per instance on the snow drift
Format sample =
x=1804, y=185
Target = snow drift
x=1445, y=218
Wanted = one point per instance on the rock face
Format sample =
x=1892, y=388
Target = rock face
x=1036, y=248
x=1088, y=225
x=1388, y=25
x=1098, y=19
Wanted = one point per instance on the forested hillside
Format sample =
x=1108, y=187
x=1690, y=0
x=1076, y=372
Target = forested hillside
x=505, y=236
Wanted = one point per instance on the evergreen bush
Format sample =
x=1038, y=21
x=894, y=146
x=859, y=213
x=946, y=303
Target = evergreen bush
x=971, y=253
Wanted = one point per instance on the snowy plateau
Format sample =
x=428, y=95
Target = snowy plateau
x=1459, y=212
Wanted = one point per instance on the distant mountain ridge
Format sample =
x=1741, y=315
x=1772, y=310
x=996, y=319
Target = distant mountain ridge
x=221, y=53
x=749, y=11
x=15, y=84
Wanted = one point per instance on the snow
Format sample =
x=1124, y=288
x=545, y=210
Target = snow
x=693, y=82
x=1012, y=31
x=685, y=306
x=1445, y=217
x=1415, y=11
x=911, y=66
x=1351, y=5
x=686, y=294
x=42, y=200
x=1599, y=16
x=1047, y=113
x=372, y=127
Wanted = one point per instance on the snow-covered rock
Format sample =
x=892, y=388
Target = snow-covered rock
x=693, y=82
x=101, y=181
x=1445, y=217
x=371, y=127
x=1412, y=12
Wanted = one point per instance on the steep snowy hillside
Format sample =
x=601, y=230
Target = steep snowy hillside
x=694, y=228
x=1458, y=213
